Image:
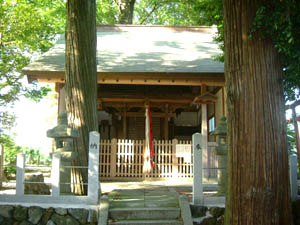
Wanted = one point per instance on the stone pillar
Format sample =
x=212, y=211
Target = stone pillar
x=198, y=171
x=63, y=136
x=221, y=150
x=94, y=187
x=62, y=100
x=293, y=177
x=20, y=175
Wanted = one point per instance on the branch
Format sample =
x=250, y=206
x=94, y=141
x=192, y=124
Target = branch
x=149, y=14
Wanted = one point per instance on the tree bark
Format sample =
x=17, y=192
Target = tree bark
x=126, y=8
x=258, y=182
x=81, y=79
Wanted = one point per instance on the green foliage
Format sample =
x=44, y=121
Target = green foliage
x=107, y=12
x=37, y=94
x=178, y=12
x=32, y=155
x=10, y=154
x=11, y=150
x=27, y=29
x=281, y=21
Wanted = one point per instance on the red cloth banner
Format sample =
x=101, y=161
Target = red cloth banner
x=151, y=139
x=148, y=153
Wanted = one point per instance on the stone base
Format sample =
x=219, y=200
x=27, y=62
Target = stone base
x=36, y=215
x=40, y=189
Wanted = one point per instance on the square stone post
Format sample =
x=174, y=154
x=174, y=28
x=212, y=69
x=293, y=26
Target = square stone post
x=293, y=177
x=93, y=171
x=55, y=174
x=20, y=174
x=197, y=173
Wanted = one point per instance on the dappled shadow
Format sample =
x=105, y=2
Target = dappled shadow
x=138, y=52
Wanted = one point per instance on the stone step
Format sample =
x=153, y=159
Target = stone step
x=146, y=222
x=144, y=213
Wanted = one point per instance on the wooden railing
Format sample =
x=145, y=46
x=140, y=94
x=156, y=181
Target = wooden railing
x=123, y=159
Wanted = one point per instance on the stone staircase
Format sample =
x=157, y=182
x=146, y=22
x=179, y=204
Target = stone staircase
x=143, y=206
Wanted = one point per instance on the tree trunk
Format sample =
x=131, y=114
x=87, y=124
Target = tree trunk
x=81, y=79
x=258, y=182
x=126, y=8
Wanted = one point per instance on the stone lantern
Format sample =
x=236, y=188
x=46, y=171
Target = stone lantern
x=221, y=150
x=64, y=136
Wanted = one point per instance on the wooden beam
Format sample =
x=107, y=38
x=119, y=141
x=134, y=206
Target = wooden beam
x=138, y=100
x=145, y=78
x=160, y=78
x=173, y=106
x=142, y=114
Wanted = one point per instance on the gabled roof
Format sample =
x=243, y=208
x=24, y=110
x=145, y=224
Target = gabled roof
x=141, y=49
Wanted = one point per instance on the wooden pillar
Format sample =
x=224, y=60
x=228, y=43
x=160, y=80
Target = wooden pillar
x=113, y=162
x=124, y=124
x=204, y=130
x=166, y=124
x=204, y=136
x=174, y=159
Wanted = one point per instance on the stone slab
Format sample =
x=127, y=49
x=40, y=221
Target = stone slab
x=103, y=210
x=185, y=210
x=158, y=222
x=144, y=213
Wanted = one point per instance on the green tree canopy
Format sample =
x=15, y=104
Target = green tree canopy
x=27, y=29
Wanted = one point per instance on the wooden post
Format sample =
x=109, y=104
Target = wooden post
x=20, y=174
x=174, y=159
x=166, y=128
x=94, y=187
x=55, y=174
x=204, y=136
x=124, y=124
x=166, y=124
x=198, y=174
x=113, y=166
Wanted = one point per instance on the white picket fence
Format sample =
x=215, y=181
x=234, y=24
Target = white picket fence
x=123, y=160
x=55, y=197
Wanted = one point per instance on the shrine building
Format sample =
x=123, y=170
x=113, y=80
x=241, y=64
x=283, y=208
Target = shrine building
x=169, y=69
